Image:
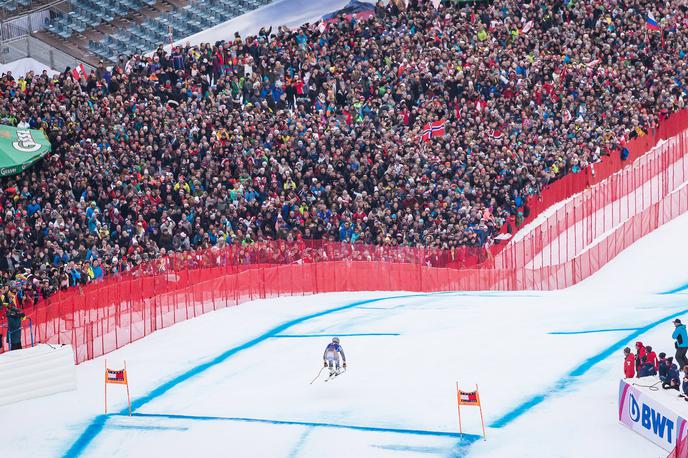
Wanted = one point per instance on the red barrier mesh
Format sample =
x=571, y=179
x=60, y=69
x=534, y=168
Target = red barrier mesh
x=614, y=207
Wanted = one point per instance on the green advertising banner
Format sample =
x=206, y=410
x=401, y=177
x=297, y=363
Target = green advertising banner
x=20, y=148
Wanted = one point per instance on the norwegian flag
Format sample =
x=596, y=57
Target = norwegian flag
x=433, y=129
x=79, y=72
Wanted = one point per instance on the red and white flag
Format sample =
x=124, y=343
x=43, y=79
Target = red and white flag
x=567, y=116
x=528, y=26
x=433, y=129
x=79, y=72
x=496, y=134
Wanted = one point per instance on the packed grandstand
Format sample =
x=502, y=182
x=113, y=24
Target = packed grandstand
x=327, y=132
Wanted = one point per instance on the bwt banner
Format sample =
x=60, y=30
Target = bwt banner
x=649, y=418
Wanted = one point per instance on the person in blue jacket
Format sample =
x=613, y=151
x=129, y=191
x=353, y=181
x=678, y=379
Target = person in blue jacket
x=662, y=366
x=331, y=356
x=14, y=326
x=681, y=344
x=672, y=379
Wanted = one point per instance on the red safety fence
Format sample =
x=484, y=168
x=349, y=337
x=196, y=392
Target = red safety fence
x=583, y=222
x=611, y=209
x=574, y=183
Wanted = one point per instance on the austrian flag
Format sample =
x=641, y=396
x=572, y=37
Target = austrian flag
x=432, y=130
x=79, y=72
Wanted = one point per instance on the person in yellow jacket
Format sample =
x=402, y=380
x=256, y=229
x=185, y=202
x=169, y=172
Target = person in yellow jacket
x=182, y=185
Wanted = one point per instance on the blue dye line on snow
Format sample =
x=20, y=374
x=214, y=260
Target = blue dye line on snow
x=374, y=429
x=411, y=448
x=461, y=449
x=364, y=334
x=562, y=333
x=96, y=426
x=98, y=422
x=299, y=443
x=149, y=428
x=676, y=290
x=574, y=376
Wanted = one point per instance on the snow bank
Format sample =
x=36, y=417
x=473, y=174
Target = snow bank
x=290, y=13
x=23, y=66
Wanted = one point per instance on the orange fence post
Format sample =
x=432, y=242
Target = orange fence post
x=480, y=405
x=458, y=402
x=129, y=396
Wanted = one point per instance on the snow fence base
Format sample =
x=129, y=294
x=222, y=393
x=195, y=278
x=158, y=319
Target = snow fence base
x=35, y=372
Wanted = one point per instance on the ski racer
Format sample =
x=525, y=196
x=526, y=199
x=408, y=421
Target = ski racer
x=331, y=356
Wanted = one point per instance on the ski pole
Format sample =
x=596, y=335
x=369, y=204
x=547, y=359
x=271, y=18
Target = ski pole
x=316, y=377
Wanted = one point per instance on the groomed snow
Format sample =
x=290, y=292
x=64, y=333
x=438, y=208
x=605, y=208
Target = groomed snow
x=544, y=394
x=290, y=13
x=23, y=66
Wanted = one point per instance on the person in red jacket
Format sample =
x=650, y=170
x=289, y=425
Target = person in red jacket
x=629, y=363
x=652, y=357
x=640, y=352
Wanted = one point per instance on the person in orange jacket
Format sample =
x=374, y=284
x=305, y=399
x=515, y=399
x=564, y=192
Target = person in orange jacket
x=629, y=363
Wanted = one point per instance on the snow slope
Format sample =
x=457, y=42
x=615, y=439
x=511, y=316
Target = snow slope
x=23, y=66
x=290, y=13
x=236, y=382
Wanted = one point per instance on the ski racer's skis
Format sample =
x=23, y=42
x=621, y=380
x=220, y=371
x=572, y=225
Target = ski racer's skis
x=334, y=375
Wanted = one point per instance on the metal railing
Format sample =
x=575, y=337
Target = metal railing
x=11, y=9
x=29, y=46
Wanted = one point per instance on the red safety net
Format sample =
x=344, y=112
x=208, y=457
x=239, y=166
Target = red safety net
x=611, y=209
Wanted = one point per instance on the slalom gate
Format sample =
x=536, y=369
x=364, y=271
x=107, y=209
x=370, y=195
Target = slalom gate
x=117, y=377
x=469, y=399
x=600, y=211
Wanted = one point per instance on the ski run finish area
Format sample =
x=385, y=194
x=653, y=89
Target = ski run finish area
x=236, y=382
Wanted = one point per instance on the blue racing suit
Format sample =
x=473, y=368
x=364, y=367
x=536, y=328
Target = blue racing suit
x=331, y=355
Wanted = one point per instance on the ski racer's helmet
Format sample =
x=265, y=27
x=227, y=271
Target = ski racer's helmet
x=335, y=340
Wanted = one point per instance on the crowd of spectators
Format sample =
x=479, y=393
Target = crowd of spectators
x=313, y=133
